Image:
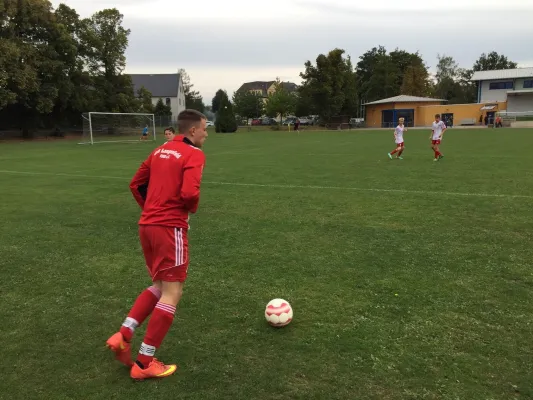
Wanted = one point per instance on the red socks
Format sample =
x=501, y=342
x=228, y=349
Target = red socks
x=158, y=326
x=394, y=151
x=437, y=154
x=141, y=309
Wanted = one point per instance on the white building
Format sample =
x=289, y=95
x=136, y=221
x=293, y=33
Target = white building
x=168, y=87
x=515, y=86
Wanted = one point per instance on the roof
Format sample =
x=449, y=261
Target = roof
x=503, y=74
x=160, y=85
x=520, y=91
x=264, y=85
x=405, y=99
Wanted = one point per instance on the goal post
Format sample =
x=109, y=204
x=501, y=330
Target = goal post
x=102, y=127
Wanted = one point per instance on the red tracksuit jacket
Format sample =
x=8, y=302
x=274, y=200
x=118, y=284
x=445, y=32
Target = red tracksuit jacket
x=167, y=184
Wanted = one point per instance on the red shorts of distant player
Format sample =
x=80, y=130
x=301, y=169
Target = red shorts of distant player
x=435, y=142
x=399, y=144
x=166, y=251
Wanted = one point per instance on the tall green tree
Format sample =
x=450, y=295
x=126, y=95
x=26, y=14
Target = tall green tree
x=493, y=61
x=304, y=104
x=161, y=109
x=453, y=83
x=330, y=85
x=145, y=101
x=281, y=102
x=104, y=41
x=248, y=104
x=225, y=121
x=381, y=74
x=219, y=96
x=33, y=52
x=416, y=81
x=193, y=100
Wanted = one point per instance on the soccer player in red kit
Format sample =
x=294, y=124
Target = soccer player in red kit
x=167, y=188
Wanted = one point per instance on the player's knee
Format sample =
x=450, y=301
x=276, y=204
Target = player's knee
x=171, y=293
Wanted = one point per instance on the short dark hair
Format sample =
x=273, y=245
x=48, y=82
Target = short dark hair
x=188, y=118
x=437, y=115
x=171, y=129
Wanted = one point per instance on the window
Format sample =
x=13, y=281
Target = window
x=179, y=100
x=167, y=101
x=528, y=84
x=501, y=85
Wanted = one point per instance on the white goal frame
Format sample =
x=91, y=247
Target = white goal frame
x=90, y=121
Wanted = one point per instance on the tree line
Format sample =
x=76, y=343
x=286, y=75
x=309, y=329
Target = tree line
x=334, y=86
x=55, y=65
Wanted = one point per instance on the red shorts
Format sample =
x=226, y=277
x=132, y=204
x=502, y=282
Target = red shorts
x=166, y=251
x=435, y=142
x=399, y=144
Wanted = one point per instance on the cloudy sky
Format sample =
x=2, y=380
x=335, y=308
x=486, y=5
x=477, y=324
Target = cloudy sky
x=222, y=44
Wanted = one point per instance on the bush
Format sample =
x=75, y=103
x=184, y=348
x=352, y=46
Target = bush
x=225, y=122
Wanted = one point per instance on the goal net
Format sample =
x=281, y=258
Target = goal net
x=99, y=127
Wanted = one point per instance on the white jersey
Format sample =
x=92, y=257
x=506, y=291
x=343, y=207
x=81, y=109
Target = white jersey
x=399, y=134
x=438, y=127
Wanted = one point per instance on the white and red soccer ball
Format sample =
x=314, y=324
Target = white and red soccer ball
x=278, y=313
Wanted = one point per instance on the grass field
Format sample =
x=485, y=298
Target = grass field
x=409, y=279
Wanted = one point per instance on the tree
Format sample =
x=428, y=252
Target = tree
x=193, y=100
x=416, y=81
x=161, y=109
x=381, y=74
x=248, y=104
x=446, y=68
x=219, y=95
x=104, y=42
x=453, y=83
x=34, y=51
x=281, y=102
x=225, y=122
x=330, y=86
x=493, y=61
x=304, y=104
x=145, y=100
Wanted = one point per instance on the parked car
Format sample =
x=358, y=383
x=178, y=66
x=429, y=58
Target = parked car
x=269, y=121
x=289, y=121
x=210, y=123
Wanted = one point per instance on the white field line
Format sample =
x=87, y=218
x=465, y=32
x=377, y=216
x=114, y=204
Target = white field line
x=280, y=186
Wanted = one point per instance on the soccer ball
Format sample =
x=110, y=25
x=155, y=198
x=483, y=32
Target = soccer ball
x=278, y=313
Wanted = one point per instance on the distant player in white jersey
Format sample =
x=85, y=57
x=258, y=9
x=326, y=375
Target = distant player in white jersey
x=437, y=131
x=398, y=139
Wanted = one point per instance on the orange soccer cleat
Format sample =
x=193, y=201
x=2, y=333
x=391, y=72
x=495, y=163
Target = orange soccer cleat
x=121, y=348
x=156, y=369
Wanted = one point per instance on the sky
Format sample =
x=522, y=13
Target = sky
x=222, y=44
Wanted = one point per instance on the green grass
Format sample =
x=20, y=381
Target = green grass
x=409, y=279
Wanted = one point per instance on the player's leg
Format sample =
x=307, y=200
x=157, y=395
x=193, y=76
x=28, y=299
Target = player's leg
x=402, y=147
x=393, y=151
x=119, y=343
x=172, y=264
x=436, y=150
